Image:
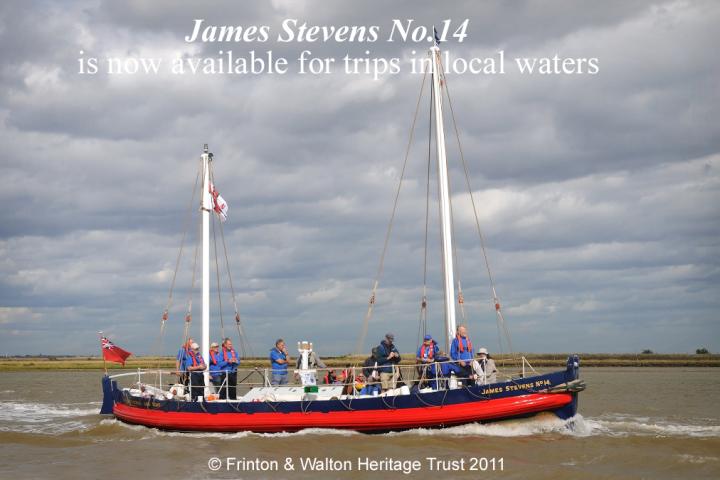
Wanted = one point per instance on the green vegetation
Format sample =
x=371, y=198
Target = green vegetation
x=701, y=351
x=538, y=360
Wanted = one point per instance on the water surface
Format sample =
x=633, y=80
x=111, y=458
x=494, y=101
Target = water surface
x=634, y=423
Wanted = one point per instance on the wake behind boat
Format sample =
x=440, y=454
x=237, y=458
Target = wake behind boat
x=428, y=396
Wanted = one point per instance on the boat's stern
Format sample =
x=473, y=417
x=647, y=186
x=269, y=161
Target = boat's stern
x=108, y=396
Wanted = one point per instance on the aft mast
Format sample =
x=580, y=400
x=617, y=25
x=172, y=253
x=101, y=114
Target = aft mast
x=206, y=208
x=446, y=239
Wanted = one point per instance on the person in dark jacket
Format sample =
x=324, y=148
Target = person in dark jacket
x=387, y=357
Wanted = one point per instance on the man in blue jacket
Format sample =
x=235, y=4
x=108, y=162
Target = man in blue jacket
x=461, y=351
x=387, y=356
x=426, y=357
x=279, y=361
x=180, y=361
x=195, y=366
x=217, y=376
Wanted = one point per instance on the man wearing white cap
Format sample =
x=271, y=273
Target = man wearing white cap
x=217, y=375
x=484, y=368
x=195, y=365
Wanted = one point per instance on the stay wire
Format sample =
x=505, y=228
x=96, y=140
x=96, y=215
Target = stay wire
x=186, y=228
x=500, y=317
x=423, y=306
x=217, y=279
x=244, y=343
x=371, y=302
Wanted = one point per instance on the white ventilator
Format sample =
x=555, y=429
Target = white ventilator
x=308, y=376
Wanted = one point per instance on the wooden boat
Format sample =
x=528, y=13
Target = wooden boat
x=446, y=401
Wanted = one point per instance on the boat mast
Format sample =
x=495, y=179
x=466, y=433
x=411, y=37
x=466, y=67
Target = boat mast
x=446, y=239
x=206, y=208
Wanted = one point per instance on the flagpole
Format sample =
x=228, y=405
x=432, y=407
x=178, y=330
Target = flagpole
x=102, y=354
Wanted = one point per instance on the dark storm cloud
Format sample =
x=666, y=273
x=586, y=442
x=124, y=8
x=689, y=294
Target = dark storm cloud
x=598, y=194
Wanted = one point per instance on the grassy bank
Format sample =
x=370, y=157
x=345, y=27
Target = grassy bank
x=554, y=360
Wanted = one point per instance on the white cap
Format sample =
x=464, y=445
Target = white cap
x=194, y=346
x=482, y=350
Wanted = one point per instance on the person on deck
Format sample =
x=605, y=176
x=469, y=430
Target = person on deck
x=180, y=361
x=370, y=372
x=217, y=376
x=230, y=362
x=461, y=351
x=279, y=361
x=195, y=366
x=426, y=357
x=484, y=367
x=330, y=377
x=387, y=357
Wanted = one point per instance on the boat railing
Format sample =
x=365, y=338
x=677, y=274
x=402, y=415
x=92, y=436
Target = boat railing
x=355, y=380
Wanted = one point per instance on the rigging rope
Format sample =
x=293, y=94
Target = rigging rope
x=198, y=241
x=371, y=302
x=217, y=277
x=244, y=343
x=180, y=252
x=500, y=318
x=456, y=264
x=423, y=305
x=186, y=228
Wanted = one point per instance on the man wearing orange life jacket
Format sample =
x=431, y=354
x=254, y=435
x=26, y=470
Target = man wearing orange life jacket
x=428, y=350
x=229, y=365
x=195, y=366
x=217, y=376
x=461, y=351
x=426, y=357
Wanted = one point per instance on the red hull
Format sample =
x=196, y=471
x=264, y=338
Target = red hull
x=360, y=420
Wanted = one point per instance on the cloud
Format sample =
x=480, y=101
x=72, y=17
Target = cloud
x=598, y=195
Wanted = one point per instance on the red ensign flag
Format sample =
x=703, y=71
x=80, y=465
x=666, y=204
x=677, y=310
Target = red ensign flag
x=113, y=353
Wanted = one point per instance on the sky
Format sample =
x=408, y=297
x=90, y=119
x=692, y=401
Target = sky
x=598, y=195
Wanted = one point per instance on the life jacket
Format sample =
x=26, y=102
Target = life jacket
x=461, y=348
x=233, y=355
x=213, y=360
x=430, y=354
x=187, y=350
x=194, y=358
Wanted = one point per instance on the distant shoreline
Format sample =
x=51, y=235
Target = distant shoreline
x=556, y=360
